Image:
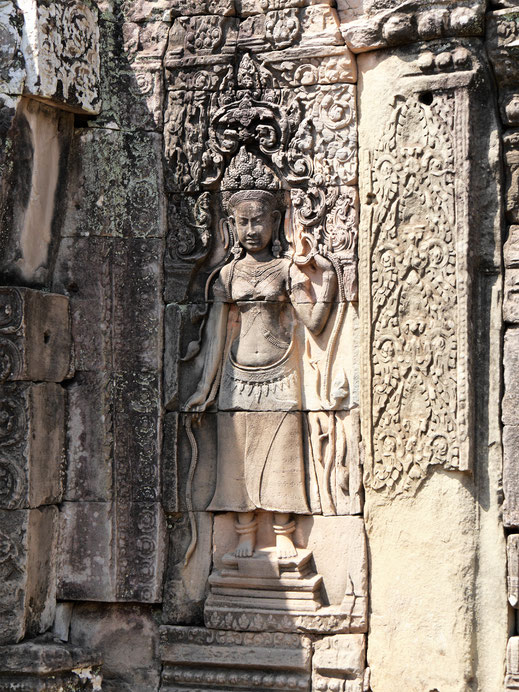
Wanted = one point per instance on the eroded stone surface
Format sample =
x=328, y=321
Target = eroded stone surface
x=121, y=552
x=102, y=198
x=45, y=664
x=395, y=23
x=339, y=662
x=28, y=572
x=34, y=138
x=61, y=51
x=35, y=339
x=126, y=638
x=186, y=582
x=31, y=444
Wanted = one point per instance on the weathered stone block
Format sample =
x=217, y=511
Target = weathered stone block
x=12, y=70
x=193, y=249
x=327, y=154
x=308, y=66
x=511, y=475
x=27, y=572
x=137, y=436
x=202, y=35
x=339, y=663
x=131, y=77
x=170, y=484
x=189, y=462
x=137, y=306
x=35, y=339
x=511, y=145
x=46, y=665
x=511, y=248
x=127, y=640
x=86, y=559
x=144, y=10
x=510, y=413
x=395, y=23
x=116, y=310
x=111, y=551
x=31, y=444
x=186, y=133
x=428, y=536
x=315, y=25
x=90, y=438
x=511, y=296
x=102, y=198
x=188, y=568
x=34, y=139
x=220, y=660
x=502, y=33
x=141, y=537
x=205, y=73
x=61, y=52
x=246, y=7
x=512, y=558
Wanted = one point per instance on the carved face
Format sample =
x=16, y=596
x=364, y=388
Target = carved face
x=255, y=224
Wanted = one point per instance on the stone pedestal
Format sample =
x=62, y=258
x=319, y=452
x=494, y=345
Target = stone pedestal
x=263, y=592
x=265, y=583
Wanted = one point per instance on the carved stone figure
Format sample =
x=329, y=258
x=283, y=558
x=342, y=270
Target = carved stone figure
x=250, y=364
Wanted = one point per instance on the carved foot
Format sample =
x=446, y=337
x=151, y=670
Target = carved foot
x=245, y=547
x=284, y=544
x=247, y=536
x=285, y=547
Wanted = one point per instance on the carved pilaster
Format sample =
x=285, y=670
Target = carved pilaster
x=416, y=285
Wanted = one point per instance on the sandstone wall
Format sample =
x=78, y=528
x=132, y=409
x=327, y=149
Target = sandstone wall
x=374, y=142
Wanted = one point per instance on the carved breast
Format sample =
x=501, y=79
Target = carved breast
x=261, y=281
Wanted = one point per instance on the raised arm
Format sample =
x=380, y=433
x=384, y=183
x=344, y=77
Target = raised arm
x=314, y=286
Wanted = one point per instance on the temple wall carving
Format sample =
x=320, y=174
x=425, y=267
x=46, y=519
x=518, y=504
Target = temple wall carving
x=258, y=345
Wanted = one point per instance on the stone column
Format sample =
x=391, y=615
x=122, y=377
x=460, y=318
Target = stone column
x=430, y=310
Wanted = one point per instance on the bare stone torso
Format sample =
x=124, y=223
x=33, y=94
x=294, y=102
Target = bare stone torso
x=260, y=292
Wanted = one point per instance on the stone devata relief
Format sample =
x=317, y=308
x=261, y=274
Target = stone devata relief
x=267, y=388
x=251, y=365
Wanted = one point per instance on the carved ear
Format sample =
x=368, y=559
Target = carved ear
x=227, y=232
x=276, y=216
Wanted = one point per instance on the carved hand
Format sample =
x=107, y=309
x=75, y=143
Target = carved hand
x=315, y=267
x=198, y=402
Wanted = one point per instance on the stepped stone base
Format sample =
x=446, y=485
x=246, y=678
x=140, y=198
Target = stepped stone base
x=197, y=659
x=265, y=583
x=264, y=593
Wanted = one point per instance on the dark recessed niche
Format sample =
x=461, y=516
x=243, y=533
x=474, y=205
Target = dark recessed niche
x=426, y=97
x=81, y=121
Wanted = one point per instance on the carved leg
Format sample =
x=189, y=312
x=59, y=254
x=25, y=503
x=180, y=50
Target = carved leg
x=284, y=528
x=246, y=529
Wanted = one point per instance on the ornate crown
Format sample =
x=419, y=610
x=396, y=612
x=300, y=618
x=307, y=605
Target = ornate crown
x=246, y=171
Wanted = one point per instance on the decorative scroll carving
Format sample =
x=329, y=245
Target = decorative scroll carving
x=69, y=52
x=13, y=420
x=10, y=359
x=10, y=484
x=11, y=310
x=418, y=289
